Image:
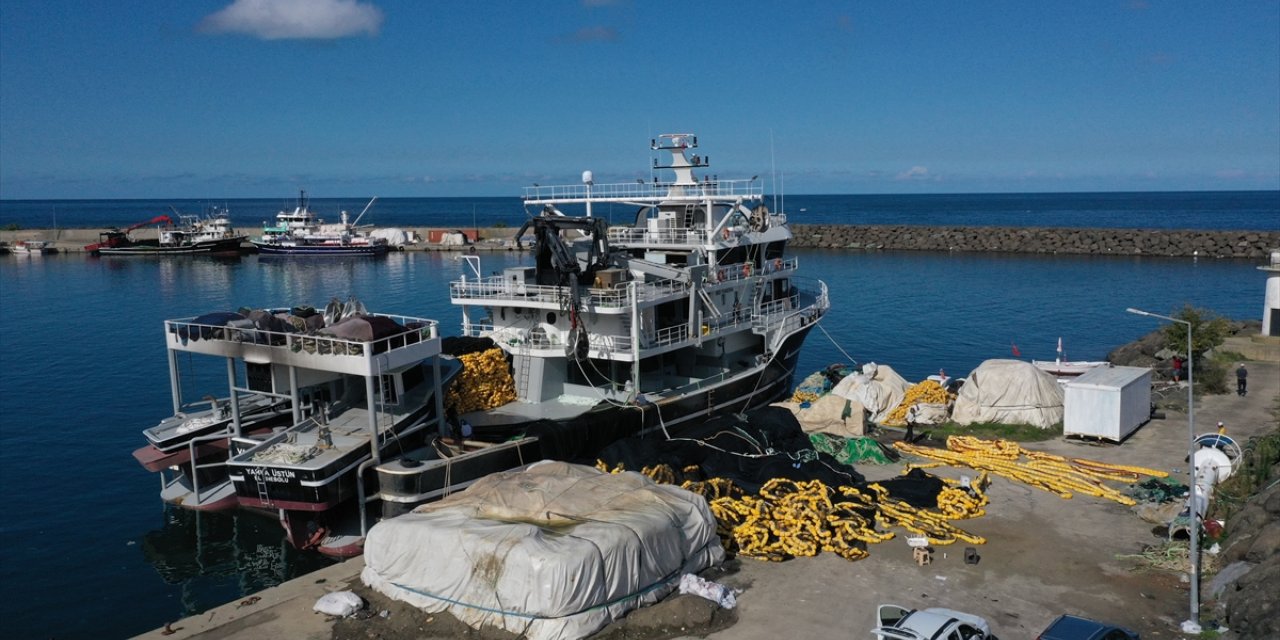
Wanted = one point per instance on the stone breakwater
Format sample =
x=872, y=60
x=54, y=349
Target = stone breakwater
x=1080, y=241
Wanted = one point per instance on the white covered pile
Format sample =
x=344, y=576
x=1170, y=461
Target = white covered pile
x=877, y=387
x=1009, y=392
x=553, y=551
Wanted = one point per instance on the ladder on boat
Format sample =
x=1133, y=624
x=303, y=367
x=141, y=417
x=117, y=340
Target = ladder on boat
x=523, y=364
x=263, y=496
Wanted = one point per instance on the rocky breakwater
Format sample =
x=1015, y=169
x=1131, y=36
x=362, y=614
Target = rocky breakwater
x=1081, y=241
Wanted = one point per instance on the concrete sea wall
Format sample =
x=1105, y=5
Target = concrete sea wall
x=1082, y=241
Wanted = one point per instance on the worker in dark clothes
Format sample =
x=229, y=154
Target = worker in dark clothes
x=1242, y=380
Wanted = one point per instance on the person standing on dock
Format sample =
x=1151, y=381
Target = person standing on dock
x=1242, y=380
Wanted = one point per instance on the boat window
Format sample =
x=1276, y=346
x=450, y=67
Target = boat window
x=551, y=317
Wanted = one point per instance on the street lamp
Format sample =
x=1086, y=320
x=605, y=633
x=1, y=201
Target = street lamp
x=1192, y=624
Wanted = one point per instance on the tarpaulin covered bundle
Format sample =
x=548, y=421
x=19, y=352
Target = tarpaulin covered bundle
x=832, y=414
x=363, y=328
x=768, y=444
x=554, y=551
x=877, y=387
x=1009, y=392
x=366, y=329
x=202, y=327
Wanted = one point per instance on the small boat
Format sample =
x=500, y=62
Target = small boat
x=301, y=232
x=691, y=311
x=211, y=234
x=1060, y=368
x=183, y=437
x=32, y=247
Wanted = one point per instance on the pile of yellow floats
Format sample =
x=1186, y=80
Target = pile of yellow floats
x=926, y=391
x=483, y=383
x=790, y=518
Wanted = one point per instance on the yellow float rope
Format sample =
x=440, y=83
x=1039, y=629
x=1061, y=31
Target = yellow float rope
x=1058, y=475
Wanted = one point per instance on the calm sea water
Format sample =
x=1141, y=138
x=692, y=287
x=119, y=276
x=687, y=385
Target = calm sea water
x=1162, y=210
x=90, y=552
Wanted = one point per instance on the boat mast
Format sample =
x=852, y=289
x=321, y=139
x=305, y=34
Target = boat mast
x=366, y=208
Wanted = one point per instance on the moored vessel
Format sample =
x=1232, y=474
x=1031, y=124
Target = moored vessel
x=314, y=400
x=301, y=232
x=691, y=310
x=190, y=235
x=32, y=247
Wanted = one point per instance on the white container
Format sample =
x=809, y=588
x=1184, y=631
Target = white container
x=1108, y=403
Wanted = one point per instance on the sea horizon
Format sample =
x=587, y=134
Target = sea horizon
x=767, y=196
x=1252, y=210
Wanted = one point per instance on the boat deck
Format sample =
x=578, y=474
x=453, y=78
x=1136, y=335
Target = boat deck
x=560, y=408
x=177, y=429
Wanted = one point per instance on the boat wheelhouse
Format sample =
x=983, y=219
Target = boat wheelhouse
x=690, y=310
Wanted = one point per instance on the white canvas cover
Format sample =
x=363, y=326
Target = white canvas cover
x=878, y=387
x=553, y=551
x=1009, y=392
x=395, y=237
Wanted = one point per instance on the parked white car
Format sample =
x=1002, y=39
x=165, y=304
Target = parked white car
x=900, y=623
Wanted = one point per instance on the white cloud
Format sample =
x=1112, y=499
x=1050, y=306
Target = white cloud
x=914, y=173
x=296, y=19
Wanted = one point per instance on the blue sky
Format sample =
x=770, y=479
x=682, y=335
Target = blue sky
x=256, y=98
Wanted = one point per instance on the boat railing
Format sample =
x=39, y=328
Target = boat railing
x=499, y=289
x=187, y=334
x=741, y=271
x=805, y=307
x=645, y=191
x=192, y=445
x=809, y=295
x=659, y=236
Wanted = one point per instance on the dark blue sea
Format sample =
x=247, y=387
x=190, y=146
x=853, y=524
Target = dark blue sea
x=90, y=552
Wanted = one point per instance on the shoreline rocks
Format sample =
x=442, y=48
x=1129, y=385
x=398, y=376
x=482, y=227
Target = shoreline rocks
x=1045, y=240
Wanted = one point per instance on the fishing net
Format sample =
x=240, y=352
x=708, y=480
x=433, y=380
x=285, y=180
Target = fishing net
x=849, y=450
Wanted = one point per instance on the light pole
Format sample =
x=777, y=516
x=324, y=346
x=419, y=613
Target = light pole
x=1192, y=624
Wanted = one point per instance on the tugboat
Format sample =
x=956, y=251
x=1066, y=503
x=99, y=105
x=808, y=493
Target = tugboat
x=692, y=310
x=315, y=399
x=300, y=232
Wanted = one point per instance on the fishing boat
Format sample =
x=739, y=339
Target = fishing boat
x=691, y=310
x=301, y=232
x=189, y=235
x=314, y=399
